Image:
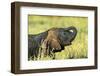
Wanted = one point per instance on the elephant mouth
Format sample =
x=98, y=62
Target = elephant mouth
x=68, y=43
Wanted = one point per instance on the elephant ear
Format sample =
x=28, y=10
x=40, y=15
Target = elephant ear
x=52, y=40
x=54, y=44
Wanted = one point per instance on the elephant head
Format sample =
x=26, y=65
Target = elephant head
x=58, y=38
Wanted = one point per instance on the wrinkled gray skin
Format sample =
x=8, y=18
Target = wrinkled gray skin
x=65, y=35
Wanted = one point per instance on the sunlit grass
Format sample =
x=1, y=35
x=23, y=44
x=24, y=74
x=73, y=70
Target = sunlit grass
x=79, y=47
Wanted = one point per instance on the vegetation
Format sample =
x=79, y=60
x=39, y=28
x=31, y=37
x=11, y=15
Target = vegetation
x=79, y=47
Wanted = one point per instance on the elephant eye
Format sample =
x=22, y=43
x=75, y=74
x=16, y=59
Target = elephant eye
x=64, y=33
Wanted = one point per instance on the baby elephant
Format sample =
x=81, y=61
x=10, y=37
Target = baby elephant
x=51, y=41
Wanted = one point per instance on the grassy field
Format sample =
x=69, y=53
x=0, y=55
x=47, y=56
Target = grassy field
x=79, y=47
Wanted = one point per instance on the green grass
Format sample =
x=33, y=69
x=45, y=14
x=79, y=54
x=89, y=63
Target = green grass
x=79, y=47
